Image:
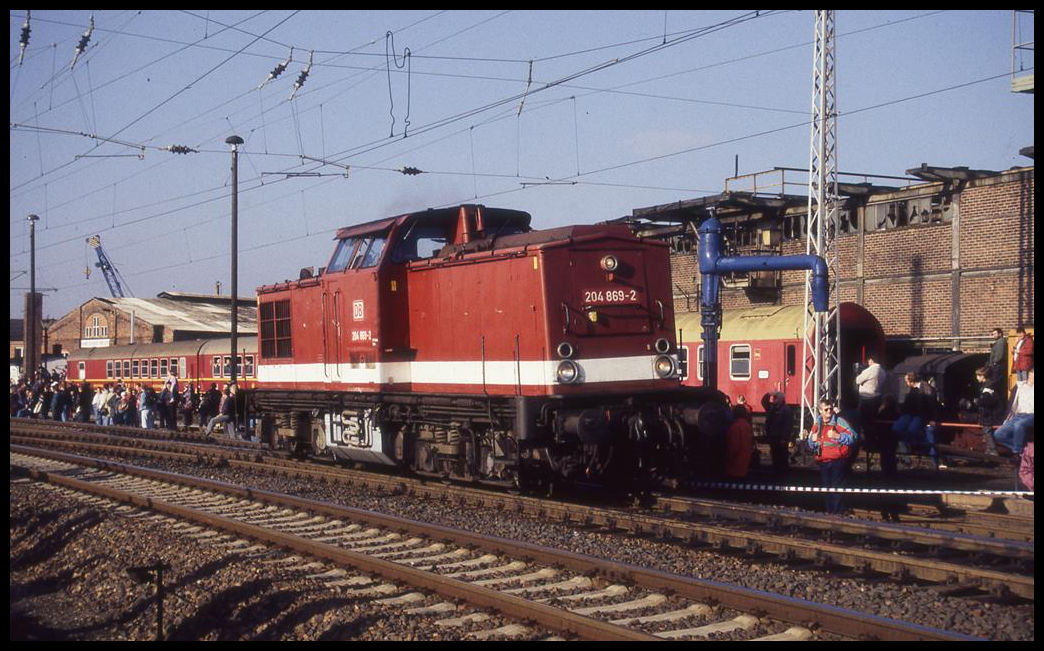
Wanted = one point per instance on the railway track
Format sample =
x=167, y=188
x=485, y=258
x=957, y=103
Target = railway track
x=954, y=561
x=564, y=592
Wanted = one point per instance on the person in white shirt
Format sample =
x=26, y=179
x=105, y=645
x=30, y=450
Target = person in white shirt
x=1019, y=424
x=870, y=383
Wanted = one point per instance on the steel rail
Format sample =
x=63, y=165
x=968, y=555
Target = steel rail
x=553, y=618
x=789, y=609
x=785, y=547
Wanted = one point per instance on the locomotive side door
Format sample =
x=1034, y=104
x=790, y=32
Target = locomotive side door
x=350, y=309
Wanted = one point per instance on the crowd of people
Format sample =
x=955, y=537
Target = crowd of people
x=46, y=395
x=895, y=429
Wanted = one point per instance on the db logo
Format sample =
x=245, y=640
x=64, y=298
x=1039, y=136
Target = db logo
x=357, y=311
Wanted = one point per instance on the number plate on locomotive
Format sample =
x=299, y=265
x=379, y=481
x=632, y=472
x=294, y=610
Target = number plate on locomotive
x=610, y=296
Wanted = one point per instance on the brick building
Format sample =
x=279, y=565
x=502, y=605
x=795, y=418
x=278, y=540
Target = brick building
x=939, y=259
x=171, y=316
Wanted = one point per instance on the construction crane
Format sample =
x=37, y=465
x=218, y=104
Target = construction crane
x=820, y=374
x=112, y=275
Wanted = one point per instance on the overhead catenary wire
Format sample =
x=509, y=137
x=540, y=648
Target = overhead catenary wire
x=325, y=156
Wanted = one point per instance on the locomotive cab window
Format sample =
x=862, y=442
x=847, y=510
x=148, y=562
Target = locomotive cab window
x=419, y=242
x=343, y=255
x=357, y=253
x=739, y=362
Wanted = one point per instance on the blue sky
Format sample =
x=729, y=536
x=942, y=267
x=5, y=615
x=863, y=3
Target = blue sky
x=575, y=117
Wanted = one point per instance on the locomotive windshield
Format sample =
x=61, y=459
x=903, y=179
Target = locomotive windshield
x=360, y=252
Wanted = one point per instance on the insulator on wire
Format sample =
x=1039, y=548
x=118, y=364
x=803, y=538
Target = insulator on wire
x=411, y=171
x=23, y=42
x=304, y=75
x=179, y=149
x=83, y=44
x=278, y=70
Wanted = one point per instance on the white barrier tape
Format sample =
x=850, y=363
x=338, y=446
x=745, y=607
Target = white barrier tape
x=869, y=491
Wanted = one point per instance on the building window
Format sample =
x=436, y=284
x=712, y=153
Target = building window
x=739, y=362
x=931, y=209
x=274, y=323
x=97, y=328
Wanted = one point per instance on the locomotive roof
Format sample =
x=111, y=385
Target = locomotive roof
x=217, y=346
x=492, y=217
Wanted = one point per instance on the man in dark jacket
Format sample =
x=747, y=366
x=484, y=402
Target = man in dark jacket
x=208, y=406
x=779, y=422
x=917, y=422
x=227, y=413
x=990, y=406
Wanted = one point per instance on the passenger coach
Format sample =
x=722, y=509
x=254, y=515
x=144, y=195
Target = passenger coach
x=760, y=350
x=200, y=361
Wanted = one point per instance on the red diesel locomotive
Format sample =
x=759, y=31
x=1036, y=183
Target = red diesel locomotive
x=459, y=342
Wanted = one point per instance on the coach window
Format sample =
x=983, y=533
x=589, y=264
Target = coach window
x=174, y=367
x=108, y=368
x=739, y=362
x=162, y=367
x=226, y=368
x=83, y=370
x=215, y=367
x=154, y=368
x=249, y=370
x=791, y=360
x=118, y=369
x=144, y=368
x=126, y=368
x=134, y=368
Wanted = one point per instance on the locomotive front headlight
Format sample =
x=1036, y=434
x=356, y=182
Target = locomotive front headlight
x=567, y=372
x=662, y=345
x=664, y=366
x=566, y=350
x=609, y=263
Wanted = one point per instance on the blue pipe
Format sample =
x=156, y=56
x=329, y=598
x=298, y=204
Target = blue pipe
x=713, y=264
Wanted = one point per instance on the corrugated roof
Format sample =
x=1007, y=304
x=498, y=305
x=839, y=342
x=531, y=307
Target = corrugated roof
x=186, y=314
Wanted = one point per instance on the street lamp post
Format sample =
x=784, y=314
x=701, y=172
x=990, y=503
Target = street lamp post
x=235, y=141
x=32, y=309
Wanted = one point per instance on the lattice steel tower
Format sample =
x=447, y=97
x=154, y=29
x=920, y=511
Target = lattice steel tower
x=820, y=375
